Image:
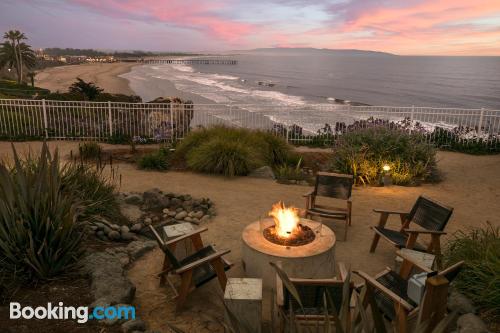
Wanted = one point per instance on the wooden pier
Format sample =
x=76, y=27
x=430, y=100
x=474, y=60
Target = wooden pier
x=185, y=61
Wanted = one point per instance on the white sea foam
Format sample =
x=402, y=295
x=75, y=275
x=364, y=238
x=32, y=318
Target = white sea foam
x=183, y=68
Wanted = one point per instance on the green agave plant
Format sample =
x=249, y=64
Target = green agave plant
x=38, y=236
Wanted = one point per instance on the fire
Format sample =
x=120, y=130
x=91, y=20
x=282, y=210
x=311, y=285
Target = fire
x=286, y=220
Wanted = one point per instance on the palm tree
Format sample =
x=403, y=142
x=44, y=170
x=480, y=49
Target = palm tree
x=17, y=52
x=88, y=89
x=10, y=55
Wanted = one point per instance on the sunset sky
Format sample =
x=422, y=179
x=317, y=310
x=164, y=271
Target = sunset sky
x=419, y=27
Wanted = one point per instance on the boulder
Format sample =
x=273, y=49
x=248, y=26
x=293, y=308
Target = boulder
x=205, y=218
x=114, y=235
x=124, y=229
x=148, y=221
x=263, y=172
x=155, y=200
x=460, y=303
x=128, y=236
x=136, y=227
x=131, y=212
x=199, y=214
x=470, y=323
x=133, y=199
x=136, y=249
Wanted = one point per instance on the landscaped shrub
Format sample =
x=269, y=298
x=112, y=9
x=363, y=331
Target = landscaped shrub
x=38, y=235
x=203, y=150
x=92, y=189
x=90, y=150
x=158, y=160
x=227, y=157
x=364, y=152
x=480, y=278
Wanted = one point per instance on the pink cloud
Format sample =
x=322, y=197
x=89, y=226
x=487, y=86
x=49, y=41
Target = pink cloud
x=189, y=14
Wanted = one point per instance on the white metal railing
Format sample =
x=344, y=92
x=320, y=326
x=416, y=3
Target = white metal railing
x=23, y=118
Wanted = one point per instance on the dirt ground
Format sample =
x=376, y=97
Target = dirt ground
x=471, y=185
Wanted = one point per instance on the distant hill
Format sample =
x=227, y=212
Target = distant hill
x=309, y=50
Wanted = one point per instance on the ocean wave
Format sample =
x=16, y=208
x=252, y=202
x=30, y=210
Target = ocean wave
x=183, y=68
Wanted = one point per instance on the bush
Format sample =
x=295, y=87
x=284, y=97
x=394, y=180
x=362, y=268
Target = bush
x=158, y=160
x=480, y=278
x=364, y=152
x=247, y=150
x=226, y=157
x=38, y=236
x=92, y=190
x=90, y=150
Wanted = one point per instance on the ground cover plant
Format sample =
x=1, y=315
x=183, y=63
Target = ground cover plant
x=90, y=150
x=480, y=277
x=363, y=153
x=231, y=151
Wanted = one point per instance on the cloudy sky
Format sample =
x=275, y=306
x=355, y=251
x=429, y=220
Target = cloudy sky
x=442, y=27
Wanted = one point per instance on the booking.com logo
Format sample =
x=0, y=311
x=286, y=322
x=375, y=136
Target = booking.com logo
x=81, y=313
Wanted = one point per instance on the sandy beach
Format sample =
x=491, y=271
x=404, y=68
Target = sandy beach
x=105, y=76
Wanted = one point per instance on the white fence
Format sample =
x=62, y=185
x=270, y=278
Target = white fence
x=24, y=119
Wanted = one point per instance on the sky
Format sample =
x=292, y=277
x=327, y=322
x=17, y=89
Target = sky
x=406, y=27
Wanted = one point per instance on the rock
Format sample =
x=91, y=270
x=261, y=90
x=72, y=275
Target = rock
x=172, y=214
x=165, y=210
x=155, y=200
x=205, y=218
x=101, y=235
x=108, y=281
x=181, y=215
x=175, y=202
x=128, y=236
x=148, y=221
x=191, y=214
x=198, y=214
x=470, y=323
x=187, y=197
x=460, y=303
x=133, y=199
x=99, y=225
x=133, y=325
x=124, y=229
x=131, y=212
x=115, y=227
x=93, y=228
x=114, y=235
x=188, y=219
x=136, y=227
x=102, y=302
x=107, y=230
x=155, y=219
x=263, y=172
x=136, y=249
x=195, y=220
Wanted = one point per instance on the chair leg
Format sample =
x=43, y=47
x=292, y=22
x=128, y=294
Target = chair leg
x=164, y=271
x=186, y=280
x=349, y=209
x=346, y=227
x=221, y=274
x=382, y=221
x=401, y=320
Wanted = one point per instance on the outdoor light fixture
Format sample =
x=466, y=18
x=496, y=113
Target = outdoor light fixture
x=386, y=178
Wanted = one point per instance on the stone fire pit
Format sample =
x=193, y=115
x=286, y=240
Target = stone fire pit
x=312, y=260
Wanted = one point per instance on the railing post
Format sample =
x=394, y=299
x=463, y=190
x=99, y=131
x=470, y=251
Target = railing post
x=110, y=119
x=412, y=115
x=45, y=122
x=480, y=124
x=231, y=112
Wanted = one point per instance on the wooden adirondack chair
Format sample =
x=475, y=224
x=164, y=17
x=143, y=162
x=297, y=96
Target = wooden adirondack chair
x=311, y=293
x=331, y=185
x=194, y=270
x=429, y=217
x=389, y=290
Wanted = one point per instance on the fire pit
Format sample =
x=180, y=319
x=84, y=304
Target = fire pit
x=304, y=247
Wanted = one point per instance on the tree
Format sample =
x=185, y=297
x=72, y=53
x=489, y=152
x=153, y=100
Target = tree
x=88, y=89
x=15, y=53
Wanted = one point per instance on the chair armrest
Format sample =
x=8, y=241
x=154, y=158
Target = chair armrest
x=414, y=262
x=308, y=194
x=188, y=235
x=400, y=212
x=423, y=231
x=374, y=283
x=202, y=261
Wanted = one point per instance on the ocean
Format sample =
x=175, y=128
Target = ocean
x=271, y=80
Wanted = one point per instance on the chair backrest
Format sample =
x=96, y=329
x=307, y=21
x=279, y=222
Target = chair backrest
x=430, y=214
x=333, y=185
x=451, y=272
x=311, y=295
x=171, y=257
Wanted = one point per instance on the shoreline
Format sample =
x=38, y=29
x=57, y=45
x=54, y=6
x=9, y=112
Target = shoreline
x=106, y=76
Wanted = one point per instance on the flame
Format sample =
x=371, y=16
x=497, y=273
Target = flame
x=286, y=220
